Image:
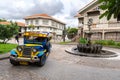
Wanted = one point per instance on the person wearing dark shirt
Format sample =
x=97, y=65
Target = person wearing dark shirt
x=17, y=38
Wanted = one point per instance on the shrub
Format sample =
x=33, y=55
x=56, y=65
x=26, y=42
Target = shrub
x=111, y=42
x=118, y=44
x=71, y=32
x=83, y=41
x=101, y=42
x=105, y=42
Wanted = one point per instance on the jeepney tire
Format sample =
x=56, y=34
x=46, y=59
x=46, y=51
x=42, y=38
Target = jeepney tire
x=13, y=62
x=42, y=60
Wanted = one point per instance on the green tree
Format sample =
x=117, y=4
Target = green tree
x=32, y=26
x=7, y=31
x=111, y=7
x=71, y=32
x=68, y=28
x=3, y=20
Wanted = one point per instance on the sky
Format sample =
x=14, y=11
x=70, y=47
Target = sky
x=63, y=10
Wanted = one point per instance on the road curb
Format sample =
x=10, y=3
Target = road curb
x=4, y=56
x=65, y=44
x=76, y=52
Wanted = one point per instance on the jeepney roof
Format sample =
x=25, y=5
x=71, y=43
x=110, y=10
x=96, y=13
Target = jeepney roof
x=36, y=34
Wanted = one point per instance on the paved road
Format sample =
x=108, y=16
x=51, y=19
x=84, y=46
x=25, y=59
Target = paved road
x=60, y=66
x=54, y=70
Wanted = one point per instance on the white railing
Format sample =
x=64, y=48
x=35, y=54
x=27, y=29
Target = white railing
x=114, y=25
x=80, y=25
x=96, y=26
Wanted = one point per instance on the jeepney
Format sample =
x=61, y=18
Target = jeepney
x=35, y=49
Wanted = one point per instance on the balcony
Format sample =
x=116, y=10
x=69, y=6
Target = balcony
x=115, y=24
x=97, y=27
x=80, y=25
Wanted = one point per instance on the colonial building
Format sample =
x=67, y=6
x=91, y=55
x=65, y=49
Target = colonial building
x=103, y=29
x=43, y=23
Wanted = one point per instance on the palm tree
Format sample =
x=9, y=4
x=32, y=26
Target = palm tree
x=111, y=7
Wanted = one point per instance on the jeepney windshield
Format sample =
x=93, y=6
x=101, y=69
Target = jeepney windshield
x=33, y=40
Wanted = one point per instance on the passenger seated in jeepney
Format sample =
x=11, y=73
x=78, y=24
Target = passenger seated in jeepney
x=39, y=39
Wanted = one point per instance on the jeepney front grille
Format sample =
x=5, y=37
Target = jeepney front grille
x=27, y=52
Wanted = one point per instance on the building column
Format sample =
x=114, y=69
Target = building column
x=103, y=35
x=84, y=36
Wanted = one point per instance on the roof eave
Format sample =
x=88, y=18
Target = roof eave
x=87, y=6
x=45, y=18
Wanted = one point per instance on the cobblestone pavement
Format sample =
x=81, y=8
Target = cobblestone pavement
x=63, y=66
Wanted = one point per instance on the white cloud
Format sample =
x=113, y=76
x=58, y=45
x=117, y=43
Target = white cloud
x=71, y=8
x=18, y=9
x=47, y=6
x=61, y=9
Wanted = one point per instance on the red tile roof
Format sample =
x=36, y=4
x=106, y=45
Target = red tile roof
x=77, y=15
x=21, y=24
x=18, y=23
x=5, y=23
x=38, y=15
x=45, y=16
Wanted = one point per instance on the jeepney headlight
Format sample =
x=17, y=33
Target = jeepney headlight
x=19, y=48
x=34, y=50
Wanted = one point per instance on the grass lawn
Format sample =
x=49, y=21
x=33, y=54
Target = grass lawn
x=4, y=48
x=65, y=42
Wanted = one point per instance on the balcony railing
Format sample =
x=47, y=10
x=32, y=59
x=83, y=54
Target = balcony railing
x=80, y=25
x=114, y=24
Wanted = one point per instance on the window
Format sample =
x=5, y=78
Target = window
x=50, y=28
x=97, y=8
x=31, y=22
x=53, y=23
x=63, y=27
x=60, y=26
x=27, y=22
x=45, y=22
x=81, y=21
x=37, y=27
x=56, y=24
x=36, y=21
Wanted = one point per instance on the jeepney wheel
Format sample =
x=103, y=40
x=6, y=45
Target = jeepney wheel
x=13, y=62
x=42, y=60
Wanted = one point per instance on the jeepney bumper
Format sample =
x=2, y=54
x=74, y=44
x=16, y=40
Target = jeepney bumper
x=18, y=59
